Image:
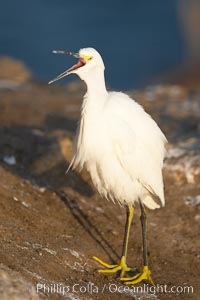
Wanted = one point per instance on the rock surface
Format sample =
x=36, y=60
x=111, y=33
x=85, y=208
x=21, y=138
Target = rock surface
x=51, y=224
x=14, y=286
x=13, y=73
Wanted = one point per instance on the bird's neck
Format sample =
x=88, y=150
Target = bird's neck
x=96, y=87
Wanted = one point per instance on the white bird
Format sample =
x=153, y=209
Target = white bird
x=121, y=147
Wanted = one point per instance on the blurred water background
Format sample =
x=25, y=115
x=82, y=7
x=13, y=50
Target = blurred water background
x=139, y=40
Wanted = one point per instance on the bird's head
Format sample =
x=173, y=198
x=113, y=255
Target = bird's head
x=89, y=61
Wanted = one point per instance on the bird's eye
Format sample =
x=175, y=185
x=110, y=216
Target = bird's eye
x=90, y=58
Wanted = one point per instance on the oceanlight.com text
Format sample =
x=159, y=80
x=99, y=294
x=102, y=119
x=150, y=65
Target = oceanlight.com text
x=91, y=288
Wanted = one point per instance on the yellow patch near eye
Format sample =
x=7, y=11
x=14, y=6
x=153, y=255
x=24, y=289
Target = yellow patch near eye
x=86, y=57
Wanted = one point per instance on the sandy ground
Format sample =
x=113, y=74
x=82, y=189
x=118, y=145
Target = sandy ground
x=51, y=224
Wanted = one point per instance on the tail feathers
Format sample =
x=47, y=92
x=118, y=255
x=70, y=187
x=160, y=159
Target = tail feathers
x=150, y=202
x=151, y=199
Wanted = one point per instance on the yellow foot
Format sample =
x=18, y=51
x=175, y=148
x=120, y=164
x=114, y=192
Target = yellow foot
x=122, y=266
x=144, y=275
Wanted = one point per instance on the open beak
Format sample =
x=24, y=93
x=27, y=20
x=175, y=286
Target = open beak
x=81, y=62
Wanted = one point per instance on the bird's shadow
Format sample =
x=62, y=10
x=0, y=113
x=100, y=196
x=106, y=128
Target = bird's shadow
x=83, y=219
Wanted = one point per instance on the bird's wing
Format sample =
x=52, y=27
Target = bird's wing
x=137, y=141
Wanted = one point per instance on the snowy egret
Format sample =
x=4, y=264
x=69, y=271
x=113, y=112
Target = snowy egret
x=122, y=148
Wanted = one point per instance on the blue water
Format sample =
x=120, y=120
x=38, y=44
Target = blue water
x=138, y=39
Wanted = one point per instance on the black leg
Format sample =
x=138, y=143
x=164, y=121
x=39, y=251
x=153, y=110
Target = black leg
x=143, y=220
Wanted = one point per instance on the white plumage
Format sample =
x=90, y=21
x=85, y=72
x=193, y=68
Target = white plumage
x=117, y=142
